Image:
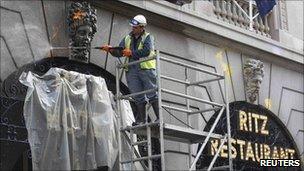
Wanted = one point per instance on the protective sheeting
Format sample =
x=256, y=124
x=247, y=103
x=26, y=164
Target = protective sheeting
x=70, y=121
x=128, y=119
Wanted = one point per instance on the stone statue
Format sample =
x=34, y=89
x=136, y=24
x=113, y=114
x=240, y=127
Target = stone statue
x=253, y=75
x=82, y=27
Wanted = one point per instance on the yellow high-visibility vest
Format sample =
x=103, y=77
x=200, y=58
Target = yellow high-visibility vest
x=151, y=64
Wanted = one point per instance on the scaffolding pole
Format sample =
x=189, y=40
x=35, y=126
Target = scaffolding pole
x=119, y=118
x=161, y=118
x=163, y=130
x=228, y=120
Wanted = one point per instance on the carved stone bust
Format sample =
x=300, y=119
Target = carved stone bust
x=253, y=75
x=82, y=27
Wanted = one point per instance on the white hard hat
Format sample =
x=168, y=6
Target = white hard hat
x=138, y=20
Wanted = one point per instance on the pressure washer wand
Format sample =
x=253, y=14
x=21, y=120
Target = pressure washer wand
x=100, y=48
x=68, y=47
x=63, y=48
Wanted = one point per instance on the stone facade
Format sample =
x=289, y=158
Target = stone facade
x=27, y=35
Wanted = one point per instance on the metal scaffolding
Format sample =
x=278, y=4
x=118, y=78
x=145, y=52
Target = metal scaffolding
x=163, y=130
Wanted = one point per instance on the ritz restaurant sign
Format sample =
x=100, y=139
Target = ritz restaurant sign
x=256, y=134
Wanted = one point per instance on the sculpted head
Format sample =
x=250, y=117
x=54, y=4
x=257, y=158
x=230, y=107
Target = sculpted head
x=253, y=75
x=82, y=27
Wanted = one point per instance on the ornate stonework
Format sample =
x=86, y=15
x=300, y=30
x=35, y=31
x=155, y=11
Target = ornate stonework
x=283, y=15
x=253, y=75
x=82, y=27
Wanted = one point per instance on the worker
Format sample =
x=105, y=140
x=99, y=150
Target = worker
x=142, y=76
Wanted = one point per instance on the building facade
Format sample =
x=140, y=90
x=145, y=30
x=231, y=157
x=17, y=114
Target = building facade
x=215, y=33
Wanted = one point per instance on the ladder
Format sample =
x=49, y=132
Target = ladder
x=162, y=130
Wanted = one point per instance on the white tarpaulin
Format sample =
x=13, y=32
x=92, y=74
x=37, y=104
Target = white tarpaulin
x=128, y=119
x=70, y=121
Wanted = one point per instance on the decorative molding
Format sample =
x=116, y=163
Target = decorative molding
x=9, y=51
x=283, y=15
x=82, y=28
x=281, y=96
x=25, y=30
x=290, y=113
x=208, y=29
x=253, y=74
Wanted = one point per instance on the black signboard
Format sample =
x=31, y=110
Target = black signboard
x=256, y=134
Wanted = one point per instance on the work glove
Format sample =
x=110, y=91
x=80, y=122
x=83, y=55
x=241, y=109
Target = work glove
x=106, y=48
x=127, y=53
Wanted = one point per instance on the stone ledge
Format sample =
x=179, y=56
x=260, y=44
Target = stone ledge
x=209, y=30
x=220, y=28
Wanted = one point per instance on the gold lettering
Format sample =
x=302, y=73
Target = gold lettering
x=224, y=151
x=243, y=120
x=266, y=151
x=256, y=125
x=283, y=154
x=275, y=154
x=249, y=152
x=233, y=149
x=214, y=146
x=241, y=143
x=291, y=152
x=257, y=156
x=261, y=151
x=265, y=119
x=250, y=122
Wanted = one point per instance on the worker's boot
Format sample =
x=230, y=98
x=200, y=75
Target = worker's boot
x=141, y=114
x=155, y=107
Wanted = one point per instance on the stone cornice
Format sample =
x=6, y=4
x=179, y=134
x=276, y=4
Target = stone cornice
x=210, y=30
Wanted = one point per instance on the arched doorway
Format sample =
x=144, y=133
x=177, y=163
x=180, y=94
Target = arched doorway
x=15, y=151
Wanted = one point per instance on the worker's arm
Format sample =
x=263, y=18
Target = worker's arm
x=122, y=43
x=118, y=53
x=145, y=51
